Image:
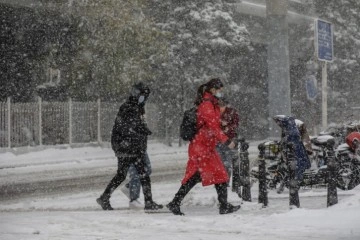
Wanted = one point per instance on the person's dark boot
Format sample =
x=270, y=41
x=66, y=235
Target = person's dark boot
x=151, y=205
x=175, y=208
x=225, y=207
x=104, y=202
x=228, y=208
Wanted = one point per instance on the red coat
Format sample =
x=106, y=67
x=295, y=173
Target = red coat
x=202, y=153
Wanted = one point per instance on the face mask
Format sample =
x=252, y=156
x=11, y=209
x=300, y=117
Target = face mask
x=218, y=95
x=141, y=99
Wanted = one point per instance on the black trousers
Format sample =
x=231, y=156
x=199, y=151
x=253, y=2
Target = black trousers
x=123, y=167
x=221, y=190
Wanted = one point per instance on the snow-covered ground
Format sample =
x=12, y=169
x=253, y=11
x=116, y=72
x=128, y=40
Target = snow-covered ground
x=71, y=212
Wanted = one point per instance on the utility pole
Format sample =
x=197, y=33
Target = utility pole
x=278, y=62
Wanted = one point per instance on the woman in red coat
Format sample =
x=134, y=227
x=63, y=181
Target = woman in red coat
x=204, y=164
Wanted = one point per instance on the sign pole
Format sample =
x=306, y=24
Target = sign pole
x=324, y=94
x=325, y=52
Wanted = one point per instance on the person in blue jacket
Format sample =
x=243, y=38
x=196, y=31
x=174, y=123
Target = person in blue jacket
x=290, y=134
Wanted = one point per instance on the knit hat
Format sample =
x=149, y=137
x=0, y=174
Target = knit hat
x=139, y=89
x=215, y=83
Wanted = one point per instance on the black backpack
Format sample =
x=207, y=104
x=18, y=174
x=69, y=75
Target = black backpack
x=188, y=127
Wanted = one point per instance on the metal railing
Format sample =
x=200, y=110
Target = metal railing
x=50, y=123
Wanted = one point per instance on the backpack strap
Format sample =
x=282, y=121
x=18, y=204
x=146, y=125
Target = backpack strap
x=208, y=100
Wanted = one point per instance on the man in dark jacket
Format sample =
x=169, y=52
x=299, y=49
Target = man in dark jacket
x=129, y=142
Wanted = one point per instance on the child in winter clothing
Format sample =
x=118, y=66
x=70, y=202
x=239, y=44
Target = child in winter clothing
x=229, y=123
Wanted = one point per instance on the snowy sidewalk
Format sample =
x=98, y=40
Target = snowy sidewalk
x=70, y=211
x=76, y=216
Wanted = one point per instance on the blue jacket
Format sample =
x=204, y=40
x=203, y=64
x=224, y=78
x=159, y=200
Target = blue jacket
x=291, y=134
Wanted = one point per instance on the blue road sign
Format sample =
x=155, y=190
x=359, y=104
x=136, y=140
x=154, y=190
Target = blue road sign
x=324, y=40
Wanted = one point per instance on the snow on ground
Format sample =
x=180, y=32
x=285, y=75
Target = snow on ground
x=75, y=214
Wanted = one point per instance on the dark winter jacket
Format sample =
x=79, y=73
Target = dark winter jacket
x=291, y=134
x=129, y=134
